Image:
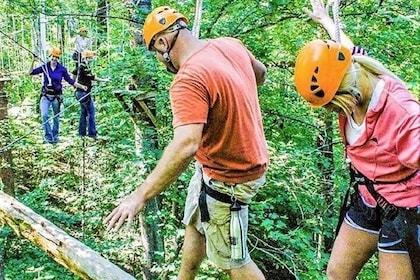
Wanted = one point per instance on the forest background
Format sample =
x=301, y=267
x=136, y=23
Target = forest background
x=76, y=183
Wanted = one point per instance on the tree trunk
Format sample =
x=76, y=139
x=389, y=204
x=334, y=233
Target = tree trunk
x=102, y=20
x=144, y=121
x=149, y=221
x=64, y=249
x=197, y=19
x=325, y=140
x=6, y=162
x=143, y=114
x=2, y=256
x=141, y=9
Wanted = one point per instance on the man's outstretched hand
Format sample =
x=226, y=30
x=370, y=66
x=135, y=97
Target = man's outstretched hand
x=126, y=211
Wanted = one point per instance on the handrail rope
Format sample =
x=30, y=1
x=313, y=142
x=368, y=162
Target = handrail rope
x=44, y=66
x=336, y=7
x=12, y=143
x=23, y=47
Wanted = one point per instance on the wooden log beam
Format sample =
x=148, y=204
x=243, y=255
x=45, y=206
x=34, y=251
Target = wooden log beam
x=64, y=249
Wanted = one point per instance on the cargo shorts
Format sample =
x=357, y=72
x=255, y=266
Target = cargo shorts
x=216, y=230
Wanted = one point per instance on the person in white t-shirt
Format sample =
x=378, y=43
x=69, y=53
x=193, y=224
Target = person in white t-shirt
x=81, y=42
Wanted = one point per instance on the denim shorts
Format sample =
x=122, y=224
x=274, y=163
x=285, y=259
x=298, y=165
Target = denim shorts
x=217, y=229
x=366, y=217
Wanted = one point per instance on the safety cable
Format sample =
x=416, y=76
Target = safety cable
x=12, y=143
x=23, y=47
x=44, y=64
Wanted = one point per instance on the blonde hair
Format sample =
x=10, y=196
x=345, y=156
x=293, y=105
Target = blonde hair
x=358, y=83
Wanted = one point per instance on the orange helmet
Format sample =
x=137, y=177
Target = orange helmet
x=319, y=69
x=55, y=52
x=87, y=54
x=83, y=29
x=159, y=20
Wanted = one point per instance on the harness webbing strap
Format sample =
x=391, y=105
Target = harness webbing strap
x=202, y=204
x=225, y=198
x=202, y=201
x=388, y=210
x=343, y=209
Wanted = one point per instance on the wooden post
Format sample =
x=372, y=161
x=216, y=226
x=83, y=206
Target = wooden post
x=64, y=249
x=6, y=162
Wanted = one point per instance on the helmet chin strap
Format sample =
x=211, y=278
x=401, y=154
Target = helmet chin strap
x=171, y=67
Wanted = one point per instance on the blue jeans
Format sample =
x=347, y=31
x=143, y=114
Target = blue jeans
x=87, y=114
x=50, y=135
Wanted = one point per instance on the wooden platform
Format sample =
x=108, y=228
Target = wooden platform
x=138, y=100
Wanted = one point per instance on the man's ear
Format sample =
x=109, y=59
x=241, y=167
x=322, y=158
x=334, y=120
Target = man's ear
x=162, y=42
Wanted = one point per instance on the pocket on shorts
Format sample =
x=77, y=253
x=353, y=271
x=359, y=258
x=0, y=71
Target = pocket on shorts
x=219, y=211
x=217, y=229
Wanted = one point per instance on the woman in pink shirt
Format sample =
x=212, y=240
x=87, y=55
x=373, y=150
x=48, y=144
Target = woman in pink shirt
x=380, y=126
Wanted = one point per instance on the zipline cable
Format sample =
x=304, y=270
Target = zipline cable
x=43, y=66
x=23, y=47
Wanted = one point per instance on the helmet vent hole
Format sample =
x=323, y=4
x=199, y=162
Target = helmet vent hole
x=162, y=21
x=341, y=56
x=316, y=70
x=320, y=94
x=314, y=79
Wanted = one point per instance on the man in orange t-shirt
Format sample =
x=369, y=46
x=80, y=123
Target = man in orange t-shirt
x=217, y=121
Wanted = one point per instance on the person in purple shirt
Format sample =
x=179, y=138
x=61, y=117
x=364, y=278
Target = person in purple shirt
x=52, y=92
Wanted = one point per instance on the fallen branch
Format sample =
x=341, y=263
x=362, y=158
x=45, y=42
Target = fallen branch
x=64, y=249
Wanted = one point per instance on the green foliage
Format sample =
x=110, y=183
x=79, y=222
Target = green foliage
x=77, y=183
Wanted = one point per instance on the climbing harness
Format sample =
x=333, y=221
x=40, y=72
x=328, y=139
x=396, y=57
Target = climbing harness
x=404, y=216
x=206, y=190
x=387, y=209
x=13, y=142
x=237, y=234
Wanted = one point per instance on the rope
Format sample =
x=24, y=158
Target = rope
x=336, y=7
x=197, y=19
x=26, y=49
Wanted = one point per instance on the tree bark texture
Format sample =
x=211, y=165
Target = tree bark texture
x=64, y=249
x=141, y=8
x=6, y=162
x=102, y=20
x=2, y=257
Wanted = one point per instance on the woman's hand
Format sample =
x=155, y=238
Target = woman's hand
x=319, y=10
x=319, y=14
